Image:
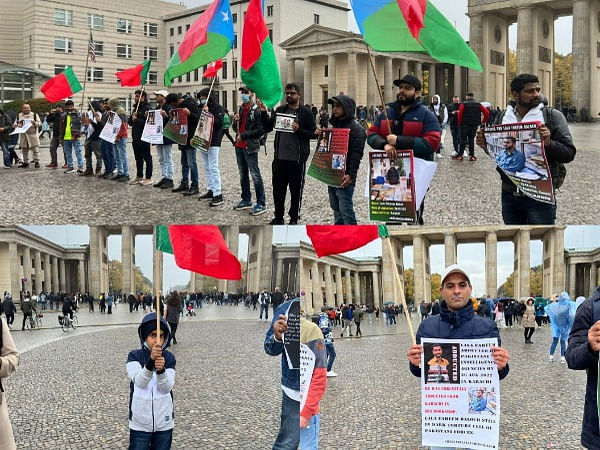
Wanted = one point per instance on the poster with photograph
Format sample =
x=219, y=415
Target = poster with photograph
x=329, y=160
x=177, y=127
x=112, y=127
x=307, y=367
x=153, y=128
x=284, y=122
x=519, y=152
x=460, y=394
x=22, y=126
x=291, y=338
x=204, y=131
x=392, y=196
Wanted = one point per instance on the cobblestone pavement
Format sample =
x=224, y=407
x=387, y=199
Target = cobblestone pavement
x=73, y=393
x=461, y=192
x=374, y=403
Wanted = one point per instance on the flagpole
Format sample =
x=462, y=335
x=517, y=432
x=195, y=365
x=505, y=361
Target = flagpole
x=385, y=114
x=158, y=318
x=211, y=88
x=388, y=242
x=138, y=102
x=87, y=59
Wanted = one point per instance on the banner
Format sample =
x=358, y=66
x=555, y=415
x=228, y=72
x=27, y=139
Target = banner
x=284, y=122
x=329, y=160
x=177, y=127
x=519, y=152
x=204, y=131
x=22, y=126
x=153, y=128
x=460, y=394
x=291, y=338
x=112, y=127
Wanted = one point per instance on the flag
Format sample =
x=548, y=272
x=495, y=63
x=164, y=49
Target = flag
x=335, y=239
x=61, y=86
x=208, y=39
x=136, y=76
x=412, y=26
x=92, y=48
x=259, y=66
x=200, y=249
x=212, y=69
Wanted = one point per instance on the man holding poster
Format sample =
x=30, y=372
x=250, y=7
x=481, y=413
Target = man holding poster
x=457, y=321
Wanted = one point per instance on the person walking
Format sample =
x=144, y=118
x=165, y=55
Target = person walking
x=562, y=315
x=528, y=320
x=357, y=316
x=9, y=309
x=469, y=120
x=172, y=312
x=227, y=126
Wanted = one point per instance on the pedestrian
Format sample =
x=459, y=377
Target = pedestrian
x=357, y=316
x=346, y=320
x=499, y=314
x=227, y=126
x=453, y=119
x=540, y=306
x=264, y=304
x=440, y=111
x=424, y=309
x=562, y=315
x=26, y=309
x=508, y=314
x=141, y=149
x=325, y=325
x=29, y=141
x=109, y=303
x=9, y=361
x=469, y=120
x=90, y=300
x=102, y=305
x=174, y=309
x=151, y=372
x=164, y=150
x=528, y=320
x=120, y=145
x=5, y=130
x=9, y=309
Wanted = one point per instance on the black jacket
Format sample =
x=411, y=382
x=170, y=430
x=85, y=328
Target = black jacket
x=137, y=125
x=54, y=119
x=253, y=130
x=217, y=111
x=306, y=130
x=357, y=138
x=192, y=105
x=580, y=356
x=453, y=119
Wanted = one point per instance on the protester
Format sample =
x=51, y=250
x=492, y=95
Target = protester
x=70, y=131
x=164, y=150
x=106, y=148
x=469, y=120
x=151, y=372
x=141, y=149
x=120, y=145
x=5, y=129
x=9, y=361
x=562, y=315
x=29, y=141
x=440, y=111
x=92, y=143
x=227, y=126
x=454, y=128
x=528, y=321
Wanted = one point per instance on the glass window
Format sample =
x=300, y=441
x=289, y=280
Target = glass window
x=187, y=27
x=271, y=34
x=150, y=29
x=124, y=26
x=235, y=40
x=269, y=11
x=151, y=53
x=95, y=21
x=316, y=19
x=172, y=31
x=58, y=69
x=63, y=45
x=63, y=17
x=171, y=50
x=152, y=77
x=179, y=29
x=95, y=74
x=99, y=48
x=224, y=71
x=124, y=51
x=234, y=17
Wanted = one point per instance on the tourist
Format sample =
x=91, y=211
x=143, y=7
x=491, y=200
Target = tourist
x=562, y=315
x=346, y=320
x=357, y=316
x=9, y=360
x=9, y=309
x=325, y=325
x=70, y=132
x=469, y=120
x=440, y=111
x=141, y=149
x=227, y=126
x=29, y=141
x=174, y=308
x=528, y=320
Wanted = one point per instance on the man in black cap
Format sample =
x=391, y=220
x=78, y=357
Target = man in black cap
x=413, y=126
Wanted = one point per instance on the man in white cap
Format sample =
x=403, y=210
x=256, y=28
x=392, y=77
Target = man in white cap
x=457, y=320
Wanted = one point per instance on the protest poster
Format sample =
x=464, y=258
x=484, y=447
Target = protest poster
x=153, y=128
x=112, y=127
x=284, y=122
x=307, y=366
x=291, y=338
x=204, y=131
x=460, y=394
x=329, y=160
x=519, y=152
x=177, y=127
x=22, y=126
x=392, y=196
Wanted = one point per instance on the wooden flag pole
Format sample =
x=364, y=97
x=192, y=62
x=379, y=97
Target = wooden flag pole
x=401, y=288
x=87, y=59
x=385, y=114
x=158, y=318
x=211, y=88
x=138, y=103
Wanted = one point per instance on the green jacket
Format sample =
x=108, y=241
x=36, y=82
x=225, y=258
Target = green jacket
x=226, y=122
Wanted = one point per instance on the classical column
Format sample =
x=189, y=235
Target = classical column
x=419, y=70
x=572, y=279
x=582, y=54
x=55, y=283
x=352, y=70
x=47, y=274
x=419, y=269
x=27, y=268
x=157, y=267
x=278, y=273
x=593, y=278
x=328, y=285
x=376, y=297
x=338, y=286
x=491, y=259
x=357, y=298
x=63, y=275
x=348, y=287
x=476, y=42
x=371, y=84
x=81, y=267
x=525, y=40
x=300, y=282
x=127, y=238
x=331, y=76
x=307, y=94
x=449, y=249
x=524, y=264
x=457, y=81
x=403, y=68
x=559, y=261
x=15, y=269
x=291, y=70
x=432, y=88
x=388, y=79
x=95, y=264
x=37, y=255
x=266, y=255
x=316, y=286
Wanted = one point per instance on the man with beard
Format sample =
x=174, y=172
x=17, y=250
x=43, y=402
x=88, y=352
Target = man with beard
x=517, y=208
x=291, y=152
x=511, y=159
x=413, y=126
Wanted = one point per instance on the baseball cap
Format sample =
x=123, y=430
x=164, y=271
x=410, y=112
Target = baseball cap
x=454, y=268
x=409, y=79
x=244, y=89
x=161, y=92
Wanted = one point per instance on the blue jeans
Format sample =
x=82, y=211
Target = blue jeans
x=330, y=356
x=115, y=157
x=106, y=149
x=165, y=159
x=211, y=169
x=522, y=210
x=6, y=154
x=309, y=436
x=340, y=200
x=68, y=146
x=142, y=440
x=247, y=162
x=189, y=168
x=563, y=345
x=288, y=437
x=121, y=147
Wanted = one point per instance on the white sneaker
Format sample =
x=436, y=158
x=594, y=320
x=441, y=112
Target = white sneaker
x=331, y=373
x=454, y=154
x=551, y=359
x=562, y=360
x=439, y=156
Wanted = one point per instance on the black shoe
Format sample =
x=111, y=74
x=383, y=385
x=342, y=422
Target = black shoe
x=107, y=175
x=217, y=200
x=276, y=222
x=193, y=190
x=24, y=166
x=293, y=222
x=174, y=341
x=182, y=187
x=167, y=184
x=159, y=184
x=123, y=178
x=37, y=165
x=115, y=177
x=87, y=173
x=208, y=195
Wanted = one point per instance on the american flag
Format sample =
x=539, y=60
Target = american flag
x=92, y=48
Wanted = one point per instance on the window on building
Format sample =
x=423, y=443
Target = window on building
x=234, y=17
x=95, y=21
x=271, y=35
x=152, y=77
x=179, y=29
x=119, y=70
x=63, y=45
x=99, y=48
x=58, y=69
x=196, y=75
x=172, y=32
x=316, y=19
x=124, y=103
x=326, y=70
x=188, y=77
x=151, y=53
x=95, y=74
x=234, y=68
x=124, y=26
x=150, y=29
x=180, y=79
x=269, y=11
x=224, y=71
x=171, y=50
x=224, y=99
x=63, y=17
x=124, y=51
x=235, y=40
x=187, y=27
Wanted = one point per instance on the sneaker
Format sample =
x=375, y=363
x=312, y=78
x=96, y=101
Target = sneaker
x=258, y=209
x=136, y=180
x=167, y=184
x=473, y=158
x=115, y=177
x=51, y=166
x=8, y=167
x=331, y=373
x=79, y=170
x=65, y=166
x=193, y=190
x=87, y=173
x=182, y=187
x=123, y=178
x=207, y=195
x=37, y=165
x=24, y=166
x=70, y=170
x=217, y=200
x=146, y=182
x=562, y=360
x=551, y=359
x=242, y=205
x=439, y=156
x=159, y=183
x=276, y=222
x=107, y=175
x=454, y=154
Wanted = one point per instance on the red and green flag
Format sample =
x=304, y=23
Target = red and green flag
x=212, y=69
x=335, y=239
x=208, y=39
x=200, y=249
x=412, y=26
x=136, y=76
x=259, y=65
x=63, y=85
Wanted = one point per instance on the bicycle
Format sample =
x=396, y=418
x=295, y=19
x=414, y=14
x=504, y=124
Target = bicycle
x=34, y=321
x=66, y=322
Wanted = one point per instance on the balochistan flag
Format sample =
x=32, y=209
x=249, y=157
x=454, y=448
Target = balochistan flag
x=335, y=239
x=208, y=39
x=61, y=86
x=136, y=76
x=412, y=26
x=212, y=69
x=200, y=249
x=259, y=66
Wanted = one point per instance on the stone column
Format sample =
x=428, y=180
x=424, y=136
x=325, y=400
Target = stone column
x=491, y=258
x=432, y=88
x=593, y=278
x=331, y=76
x=582, y=54
x=388, y=80
x=559, y=261
x=419, y=70
x=37, y=255
x=572, y=279
x=348, y=287
x=55, y=283
x=371, y=84
x=316, y=286
x=127, y=245
x=95, y=264
x=338, y=286
x=377, y=301
x=81, y=267
x=403, y=68
x=526, y=30
x=307, y=94
x=450, y=249
x=524, y=264
x=15, y=270
x=157, y=267
x=291, y=70
x=266, y=255
x=458, y=81
x=357, y=288
x=300, y=282
x=47, y=274
x=63, y=275
x=278, y=273
x=352, y=70
x=328, y=285
x=419, y=269
x=476, y=78
x=27, y=268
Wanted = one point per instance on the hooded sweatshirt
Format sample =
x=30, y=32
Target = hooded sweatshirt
x=440, y=111
x=357, y=138
x=151, y=396
x=115, y=106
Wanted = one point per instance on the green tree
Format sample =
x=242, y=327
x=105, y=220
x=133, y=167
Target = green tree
x=536, y=278
x=436, y=284
x=142, y=284
x=563, y=81
x=409, y=285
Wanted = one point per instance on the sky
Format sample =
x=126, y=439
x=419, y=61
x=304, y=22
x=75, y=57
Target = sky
x=472, y=256
x=455, y=11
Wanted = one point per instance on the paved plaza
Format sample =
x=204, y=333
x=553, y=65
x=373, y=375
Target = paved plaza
x=374, y=402
x=72, y=392
x=461, y=192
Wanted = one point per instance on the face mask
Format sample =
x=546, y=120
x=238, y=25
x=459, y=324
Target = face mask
x=245, y=98
x=203, y=101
